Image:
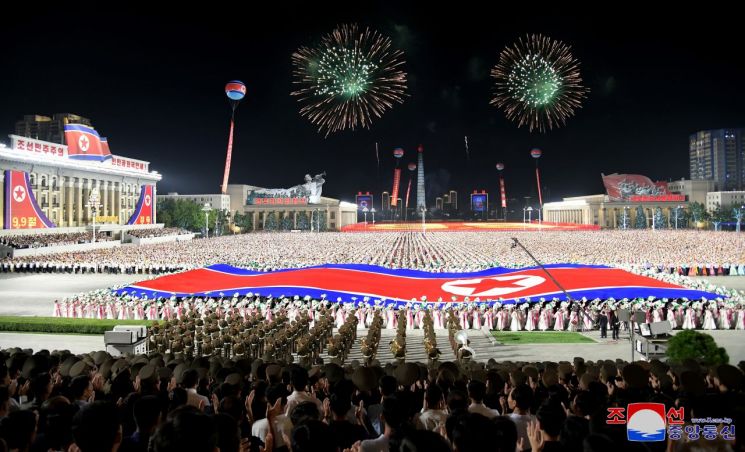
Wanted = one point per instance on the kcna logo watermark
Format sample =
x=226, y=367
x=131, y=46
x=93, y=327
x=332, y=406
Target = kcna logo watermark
x=650, y=422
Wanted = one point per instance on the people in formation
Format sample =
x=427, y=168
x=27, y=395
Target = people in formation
x=525, y=315
x=684, y=253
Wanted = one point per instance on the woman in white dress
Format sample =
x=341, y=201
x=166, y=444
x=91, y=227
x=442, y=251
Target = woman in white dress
x=689, y=323
x=530, y=323
x=740, y=312
x=709, y=320
x=671, y=317
x=515, y=324
x=725, y=317
x=573, y=320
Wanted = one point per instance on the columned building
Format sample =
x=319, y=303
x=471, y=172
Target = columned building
x=337, y=213
x=598, y=210
x=44, y=189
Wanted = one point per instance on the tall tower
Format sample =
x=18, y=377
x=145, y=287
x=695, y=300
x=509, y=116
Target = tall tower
x=421, y=201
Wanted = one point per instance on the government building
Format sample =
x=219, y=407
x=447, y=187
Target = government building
x=63, y=185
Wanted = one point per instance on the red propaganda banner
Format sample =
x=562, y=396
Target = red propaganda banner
x=145, y=210
x=502, y=192
x=620, y=187
x=84, y=143
x=661, y=198
x=396, y=183
x=21, y=209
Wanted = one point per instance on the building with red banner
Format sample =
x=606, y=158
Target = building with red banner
x=289, y=207
x=624, y=194
x=48, y=185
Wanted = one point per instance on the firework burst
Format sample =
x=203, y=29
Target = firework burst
x=538, y=83
x=350, y=78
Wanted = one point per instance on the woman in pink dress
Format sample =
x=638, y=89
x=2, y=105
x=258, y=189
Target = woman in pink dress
x=499, y=318
x=391, y=320
x=489, y=319
x=680, y=313
x=560, y=319
x=437, y=318
x=657, y=314
x=463, y=318
x=419, y=318
x=586, y=319
x=410, y=325
x=544, y=321
x=476, y=325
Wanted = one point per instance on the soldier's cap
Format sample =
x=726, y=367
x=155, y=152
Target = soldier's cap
x=142, y=359
x=64, y=368
x=100, y=357
x=273, y=371
x=148, y=372
x=406, y=374
x=364, y=379
x=79, y=368
x=234, y=379
x=136, y=369
x=333, y=372
x=178, y=372
x=34, y=365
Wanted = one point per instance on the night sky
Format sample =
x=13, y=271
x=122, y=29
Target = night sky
x=153, y=84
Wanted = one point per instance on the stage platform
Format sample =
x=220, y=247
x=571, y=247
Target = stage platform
x=466, y=226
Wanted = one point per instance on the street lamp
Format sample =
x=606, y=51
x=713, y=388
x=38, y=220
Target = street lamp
x=626, y=217
x=364, y=212
x=206, y=209
x=93, y=204
x=372, y=211
x=424, y=216
x=738, y=216
x=677, y=209
x=530, y=214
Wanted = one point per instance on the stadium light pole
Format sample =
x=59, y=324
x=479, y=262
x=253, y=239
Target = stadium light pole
x=206, y=209
x=516, y=242
x=372, y=211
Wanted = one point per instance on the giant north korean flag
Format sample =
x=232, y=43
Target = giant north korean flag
x=399, y=286
x=21, y=209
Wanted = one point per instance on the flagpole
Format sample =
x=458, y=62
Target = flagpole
x=516, y=242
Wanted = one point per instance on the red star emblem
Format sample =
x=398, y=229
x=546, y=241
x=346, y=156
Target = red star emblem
x=19, y=193
x=493, y=286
